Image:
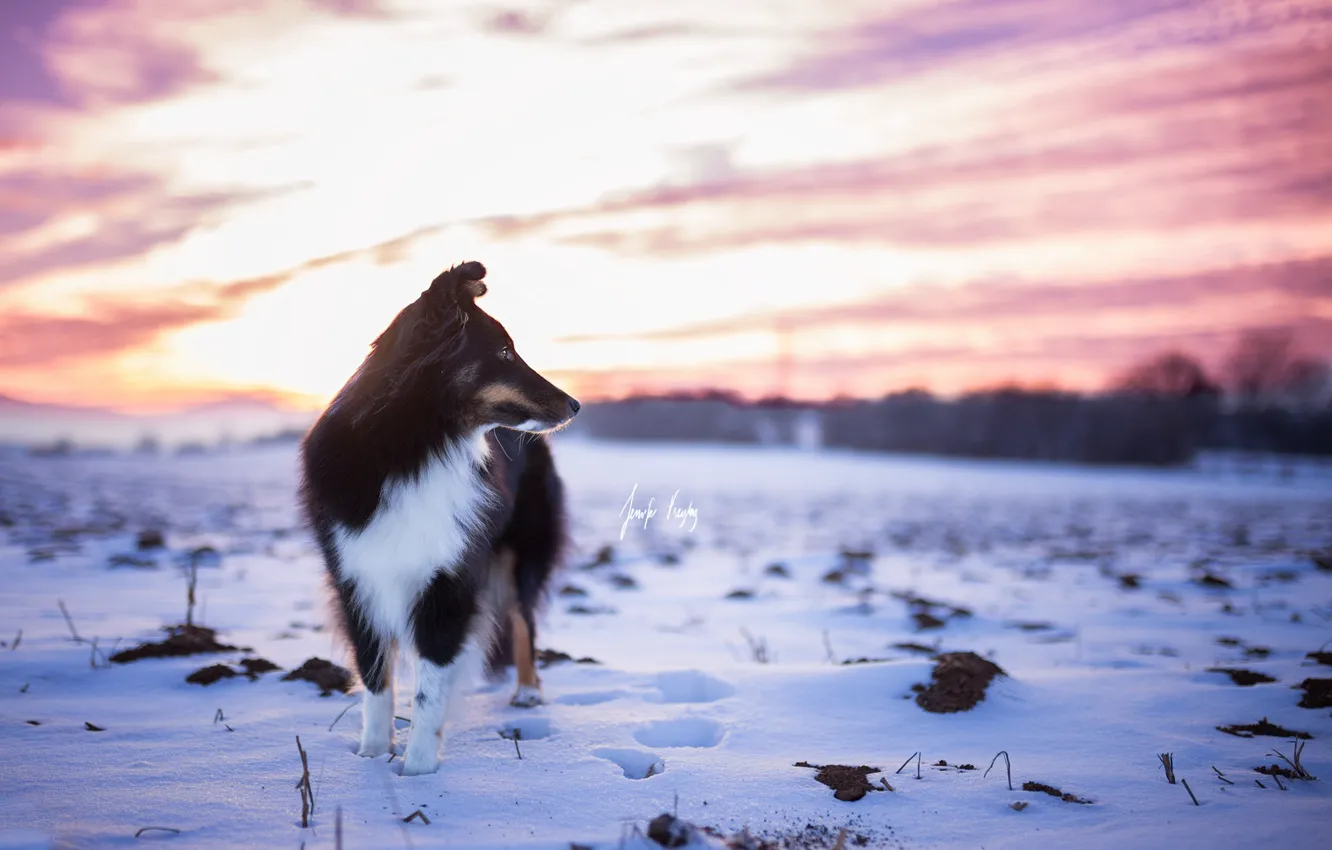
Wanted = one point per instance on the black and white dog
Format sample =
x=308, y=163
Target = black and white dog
x=437, y=518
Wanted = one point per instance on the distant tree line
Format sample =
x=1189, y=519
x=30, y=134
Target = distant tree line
x=1268, y=398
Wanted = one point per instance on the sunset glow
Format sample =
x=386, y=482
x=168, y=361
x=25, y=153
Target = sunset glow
x=213, y=197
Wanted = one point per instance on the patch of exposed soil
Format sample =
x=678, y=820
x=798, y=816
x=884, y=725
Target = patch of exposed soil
x=547, y=657
x=1320, y=657
x=151, y=538
x=127, y=560
x=572, y=590
x=1322, y=560
x=1130, y=581
x=926, y=621
x=1054, y=792
x=604, y=556
x=1277, y=770
x=848, y=783
x=181, y=640
x=1032, y=627
x=1243, y=678
x=327, y=675
x=916, y=647
x=211, y=674
x=740, y=593
x=777, y=571
x=958, y=682
x=1213, y=580
x=1317, y=693
x=254, y=666
x=1262, y=727
x=623, y=582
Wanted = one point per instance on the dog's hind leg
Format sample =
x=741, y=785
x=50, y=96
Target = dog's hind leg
x=523, y=632
x=374, y=663
x=451, y=637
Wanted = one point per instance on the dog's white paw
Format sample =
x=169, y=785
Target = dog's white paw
x=419, y=764
x=527, y=696
x=371, y=750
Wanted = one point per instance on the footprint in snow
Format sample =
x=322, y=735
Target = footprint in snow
x=691, y=686
x=636, y=764
x=527, y=728
x=590, y=697
x=681, y=732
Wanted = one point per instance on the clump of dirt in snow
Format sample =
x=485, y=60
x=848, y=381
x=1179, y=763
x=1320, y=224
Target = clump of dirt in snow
x=327, y=675
x=916, y=647
x=1317, y=693
x=667, y=830
x=254, y=666
x=1243, y=678
x=1054, y=792
x=1213, y=580
x=1262, y=727
x=251, y=667
x=925, y=621
x=848, y=783
x=1277, y=770
x=547, y=657
x=211, y=674
x=181, y=640
x=151, y=538
x=1320, y=657
x=958, y=682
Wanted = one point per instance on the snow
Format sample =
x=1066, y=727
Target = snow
x=681, y=712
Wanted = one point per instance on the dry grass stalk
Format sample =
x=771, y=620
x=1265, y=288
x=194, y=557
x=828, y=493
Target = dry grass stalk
x=303, y=785
x=1008, y=765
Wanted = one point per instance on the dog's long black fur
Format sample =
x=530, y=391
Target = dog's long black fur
x=442, y=374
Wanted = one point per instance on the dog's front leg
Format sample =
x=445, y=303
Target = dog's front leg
x=448, y=653
x=377, y=720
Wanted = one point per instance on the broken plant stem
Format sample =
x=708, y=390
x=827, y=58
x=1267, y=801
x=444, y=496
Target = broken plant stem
x=156, y=829
x=1222, y=776
x=192, y=582
x=905, y=763
x=1168, y=762
x=303, y=785
x=1008, y=765
x=1185, y=783
x=70, y=622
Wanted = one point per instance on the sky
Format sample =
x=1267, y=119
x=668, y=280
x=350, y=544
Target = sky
x=211, y=199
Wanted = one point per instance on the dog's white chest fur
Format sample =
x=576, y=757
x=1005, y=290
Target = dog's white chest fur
x=422, y=526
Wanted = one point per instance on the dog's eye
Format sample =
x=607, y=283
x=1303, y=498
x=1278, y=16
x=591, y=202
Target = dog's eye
x=505, y=353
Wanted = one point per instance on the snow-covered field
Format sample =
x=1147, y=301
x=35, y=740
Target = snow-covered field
x=719, y=670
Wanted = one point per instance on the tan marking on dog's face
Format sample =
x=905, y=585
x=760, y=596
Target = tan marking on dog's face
x=497, y=394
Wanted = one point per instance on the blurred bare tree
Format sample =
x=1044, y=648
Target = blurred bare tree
x=1257, y=368
x=1172, y=374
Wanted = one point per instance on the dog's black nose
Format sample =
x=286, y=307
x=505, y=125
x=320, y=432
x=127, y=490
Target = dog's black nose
x=574, y=407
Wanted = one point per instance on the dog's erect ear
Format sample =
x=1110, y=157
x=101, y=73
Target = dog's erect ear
x=461, y=281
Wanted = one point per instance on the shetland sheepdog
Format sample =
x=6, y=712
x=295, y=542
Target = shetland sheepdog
x=433, y=495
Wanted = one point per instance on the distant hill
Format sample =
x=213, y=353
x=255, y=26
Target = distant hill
x=236, y=418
